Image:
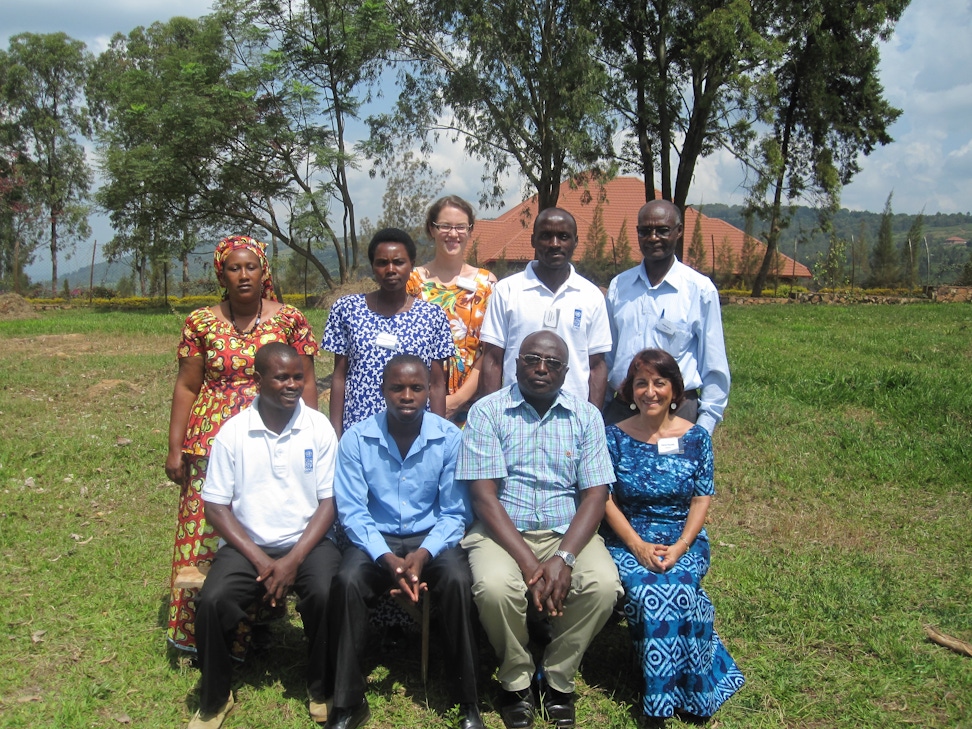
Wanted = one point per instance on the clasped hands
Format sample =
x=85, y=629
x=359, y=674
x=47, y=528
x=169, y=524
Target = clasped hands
x=548, y=583
x=659, y=557
x=277, y=576
x=407, y=572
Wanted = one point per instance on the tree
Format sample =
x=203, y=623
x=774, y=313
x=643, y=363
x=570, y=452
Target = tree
x=252, y=131
x=518, y=82
x=696, y=251
x=43, y=85
x=825, y=109
x=154, y=94
x=965, y=277
x=725, y=262
x=885, y=271
x=911, y=251
x=860, y=248
x=410, y=188
x=679, y=73
x=595, y=264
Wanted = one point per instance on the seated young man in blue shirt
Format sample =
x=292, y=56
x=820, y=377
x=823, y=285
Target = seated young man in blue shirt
x=268, y=495
x=404, y=513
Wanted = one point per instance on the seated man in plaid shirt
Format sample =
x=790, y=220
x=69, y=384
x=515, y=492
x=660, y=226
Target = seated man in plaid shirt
x=538, y=466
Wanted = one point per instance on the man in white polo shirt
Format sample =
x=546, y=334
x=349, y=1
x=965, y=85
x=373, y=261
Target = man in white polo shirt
x=549, y=295
x=268, y=494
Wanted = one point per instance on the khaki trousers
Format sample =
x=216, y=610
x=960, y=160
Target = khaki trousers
x=501, y=596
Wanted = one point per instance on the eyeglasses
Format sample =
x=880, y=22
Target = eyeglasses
x=532, y=360
x=662, y=231
x=446, y=227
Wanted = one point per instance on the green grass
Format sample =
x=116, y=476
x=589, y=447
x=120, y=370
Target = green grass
x=840, y=528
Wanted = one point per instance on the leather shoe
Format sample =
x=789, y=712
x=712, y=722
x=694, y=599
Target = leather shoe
x=349, y=717
x=517, y=709
x=558, y=708
x=469, y=717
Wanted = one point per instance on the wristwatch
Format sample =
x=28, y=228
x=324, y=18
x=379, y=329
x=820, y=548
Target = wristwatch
x=568, y=558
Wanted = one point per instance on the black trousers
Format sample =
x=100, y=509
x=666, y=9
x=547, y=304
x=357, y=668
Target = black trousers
x=231, y=587
x=359, y=584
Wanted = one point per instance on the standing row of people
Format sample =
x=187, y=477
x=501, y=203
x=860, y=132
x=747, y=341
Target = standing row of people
x=535, y=457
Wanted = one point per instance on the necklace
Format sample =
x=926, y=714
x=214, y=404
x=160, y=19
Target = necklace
x=233, y=319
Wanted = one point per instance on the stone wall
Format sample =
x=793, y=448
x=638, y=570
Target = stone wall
x=952, y=293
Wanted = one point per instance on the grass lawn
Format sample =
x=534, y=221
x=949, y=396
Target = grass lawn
x=840, y=528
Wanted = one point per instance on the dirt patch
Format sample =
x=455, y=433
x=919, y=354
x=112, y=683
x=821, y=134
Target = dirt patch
x=14, y=306
x=104, y=387
x=78, y=345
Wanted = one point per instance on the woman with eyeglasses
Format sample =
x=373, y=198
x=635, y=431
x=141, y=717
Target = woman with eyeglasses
x=461, y=290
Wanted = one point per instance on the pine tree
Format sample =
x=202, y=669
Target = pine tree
x=696, y=251
x=885, y=271
x=725, y=263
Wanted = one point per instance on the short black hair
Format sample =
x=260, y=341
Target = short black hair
x=400, y=359
x=392, y=235
x=268, y=352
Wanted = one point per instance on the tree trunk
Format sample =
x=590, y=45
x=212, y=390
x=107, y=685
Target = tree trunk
x=774, y=230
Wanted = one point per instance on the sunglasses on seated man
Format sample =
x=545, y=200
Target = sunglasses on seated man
x=532, y=360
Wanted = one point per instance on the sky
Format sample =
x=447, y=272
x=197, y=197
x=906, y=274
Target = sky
x=926, y=71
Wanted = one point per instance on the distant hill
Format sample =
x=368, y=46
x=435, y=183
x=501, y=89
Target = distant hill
x=802, y=239
x=946, y=260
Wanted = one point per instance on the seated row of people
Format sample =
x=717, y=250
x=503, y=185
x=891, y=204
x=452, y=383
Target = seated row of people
x=500, y=521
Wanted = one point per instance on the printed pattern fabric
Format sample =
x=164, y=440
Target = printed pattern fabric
x=228, y=387
x=670, y=617
x=352, y=330
x=465, y=311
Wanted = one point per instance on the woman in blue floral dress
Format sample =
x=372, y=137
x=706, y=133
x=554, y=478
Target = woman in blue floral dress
x=364, y=331
x=656, y=514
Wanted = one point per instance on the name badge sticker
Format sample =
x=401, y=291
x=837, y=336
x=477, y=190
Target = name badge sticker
x=308, y=460
x=468, y=284
x=577, y=318
x=667, y=446
x=387, y=341
x=665, y=326
x=551, y=319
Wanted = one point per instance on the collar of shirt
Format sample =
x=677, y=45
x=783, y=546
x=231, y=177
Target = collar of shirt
x=674, y=276
x=535, y=282
x=376, y=429
x=256, y=424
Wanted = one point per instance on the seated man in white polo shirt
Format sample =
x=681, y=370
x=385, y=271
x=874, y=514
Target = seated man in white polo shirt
x=268, y=494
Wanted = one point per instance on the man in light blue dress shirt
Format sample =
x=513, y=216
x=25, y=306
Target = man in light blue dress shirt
x=664, y=304
x=404, y=513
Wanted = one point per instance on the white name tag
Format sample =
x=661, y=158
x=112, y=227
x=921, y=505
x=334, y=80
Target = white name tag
x=665, y=326
x=551, y=318
x=667, y=446
x=469, y=284
x=387, y=341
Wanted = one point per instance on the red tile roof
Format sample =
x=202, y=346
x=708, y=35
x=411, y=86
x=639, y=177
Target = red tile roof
x=509, y=234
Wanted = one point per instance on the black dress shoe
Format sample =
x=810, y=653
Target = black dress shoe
x=349, y=717
x=517, y=709
x=558, y=708
x=469, y=717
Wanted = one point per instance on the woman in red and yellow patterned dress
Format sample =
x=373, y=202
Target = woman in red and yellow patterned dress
x=215, y=382
x=461, y=291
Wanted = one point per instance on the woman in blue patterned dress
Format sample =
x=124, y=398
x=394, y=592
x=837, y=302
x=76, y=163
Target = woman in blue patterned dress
x=656, y=514
x=364, y=331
